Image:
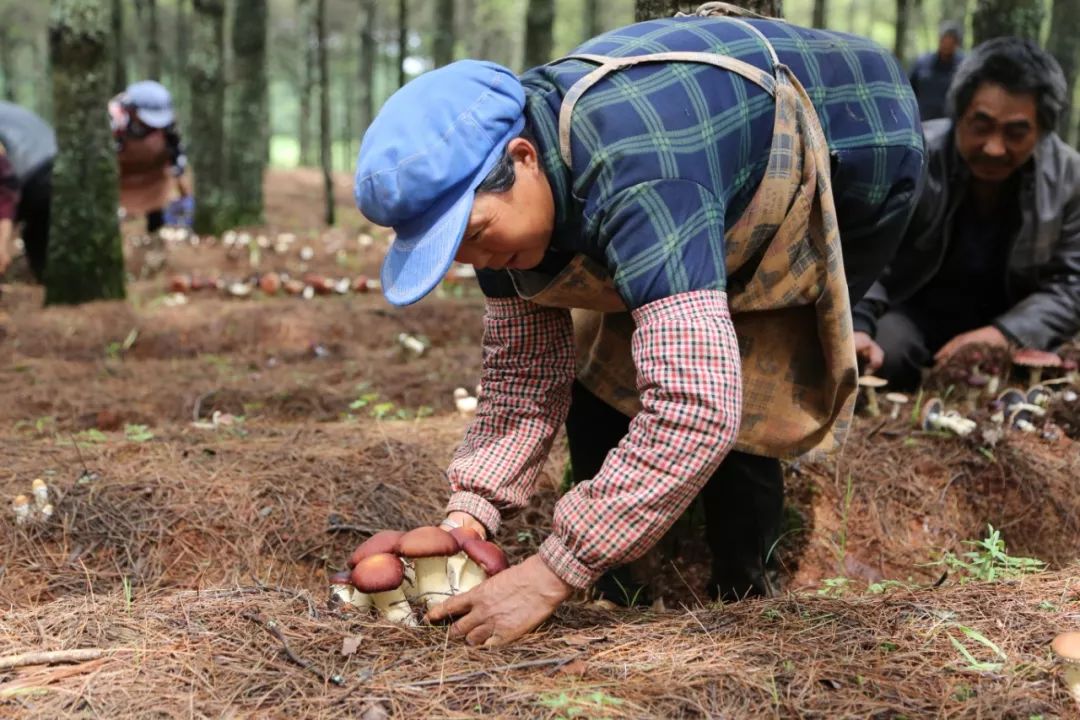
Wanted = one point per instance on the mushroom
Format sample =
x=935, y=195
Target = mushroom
x=934, y=417
x=455, y=564
x=239, y=289
x=485, y=560
x=360, y=284
x=1038, y=395
x=180, y=283
x=1003, y=404
x=465, y=403
x=21, y=508
x=381, y=577
x=270, y=283
x=897, y=401
x=384, y=541
x=1035, y=361
x=1020, y=418
x=414, y=345
x=1066, y=647
x=343, y=593
x=429, y=548
x=294, y=287
x=872, y=384
x=41, y=493
x=46, y=511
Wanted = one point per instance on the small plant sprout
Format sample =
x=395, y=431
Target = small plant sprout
x=871, y=385
x=21, y=507
x=934, y=417
x=429, y=548
x=1066, y=647
x=485, y=560
x=41, y=493
x=465, y=403
x=381, y=576
x=896, y=402
x=1035, y=361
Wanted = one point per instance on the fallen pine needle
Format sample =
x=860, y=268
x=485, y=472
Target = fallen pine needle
x=51, y=657
x=557, y=662
x=271, y=627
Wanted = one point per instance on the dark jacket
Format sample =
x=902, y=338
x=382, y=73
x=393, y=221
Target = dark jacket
x=1042, y=281
x=930, y=79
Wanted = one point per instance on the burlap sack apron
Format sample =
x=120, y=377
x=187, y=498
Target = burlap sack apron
x=786, y=286
x=144, y=173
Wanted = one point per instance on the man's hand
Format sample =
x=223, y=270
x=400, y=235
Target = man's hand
x=6, y=231
x=988, y=335
x=869, y=352
x=506, y=606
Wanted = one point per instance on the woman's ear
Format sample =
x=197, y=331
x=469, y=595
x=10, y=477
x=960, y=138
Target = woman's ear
x=524, y=152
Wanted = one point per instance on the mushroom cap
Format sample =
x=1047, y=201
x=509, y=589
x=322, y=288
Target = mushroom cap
x=869, y=381
x=341, y=578
x=1018, y=415
x=1030, y=357
x=20, y=500
x=895, y=397
x=460, y=393
x=427, y=542
x=1010, y=397
x=931, y=409
x=463, y=534
x=384, y=541
x=378, y=573
x=1036, y=392
x=977, y=380
x=487, y=555
x=1067, y=646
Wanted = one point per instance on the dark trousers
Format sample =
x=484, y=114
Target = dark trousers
x=155, y=220
x=743, y=501
x=35, y=205
x=906, y=347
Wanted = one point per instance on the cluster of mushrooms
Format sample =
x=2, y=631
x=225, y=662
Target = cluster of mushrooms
x=39, y=511
x=1012, y=408
x=271, y=283
x=400, y=573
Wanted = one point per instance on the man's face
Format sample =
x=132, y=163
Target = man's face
x=997, y=133
x=947, y=46
x=511, y=229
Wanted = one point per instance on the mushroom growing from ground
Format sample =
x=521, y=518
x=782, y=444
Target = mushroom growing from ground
x=1021, y=418
x=934, y=417
x=1066, y=647
x=1035, y=361
x=41, y=493
x=871, y=385
x=381, y=577
x=270, y=283
x=21, y=507
x=429, y=548
x=897, y=401
x=384, y=541
x=1038, y=395
x=485, y=560
x=342, y=592
x=465, y=403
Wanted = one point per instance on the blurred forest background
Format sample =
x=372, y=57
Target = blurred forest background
x=364, y=41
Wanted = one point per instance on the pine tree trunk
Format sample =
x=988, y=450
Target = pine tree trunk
x=326, y=138
x=367, y=64
x=592, y=19
x=539, y=25
x=117, y=50
x=307, y=87
x=443, y=42
x=207, y=73
x=1064, y=43
x=85, y=255
x=7, y=63
x=403, y=39
x=153, y=43
x=995, y=18
x=180, y=88
x=248, y=113
x=820, y=14
x=903, y=20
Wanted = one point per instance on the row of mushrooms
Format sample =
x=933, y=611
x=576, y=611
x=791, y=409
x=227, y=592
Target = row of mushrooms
x=398, y=573
x=272, y=283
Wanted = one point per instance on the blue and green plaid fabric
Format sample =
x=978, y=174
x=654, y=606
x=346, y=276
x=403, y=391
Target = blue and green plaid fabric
x=667, y=155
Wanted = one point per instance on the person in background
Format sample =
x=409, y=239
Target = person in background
x=149, y=151
x=931, y=74
x=992, y=255
x=27, y=151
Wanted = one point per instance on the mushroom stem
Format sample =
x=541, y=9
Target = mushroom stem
x=394, y=606
x=471, y=576
x=41, y=493
x=1072, y=680
x=872, y=406
x=432, y=583
x=455, y=565
x=21, y=507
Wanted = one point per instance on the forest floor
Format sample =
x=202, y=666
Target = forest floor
x=212, y=459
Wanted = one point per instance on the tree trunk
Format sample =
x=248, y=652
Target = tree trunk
x=153, y=42
x=326, y=138
x=117, y=49
x=1064, y=43
x=592, y=18
x=248, y=113
x=180, y=88
x=403, y=39
x=207, y=72
x=307, y=86
x=367, y=64
x=903, y=20
x=7, y=63
x=995, y=18
x=820, y=14
x=85, y=255
x=444, y=39
x=652, y=9
x=539, y=24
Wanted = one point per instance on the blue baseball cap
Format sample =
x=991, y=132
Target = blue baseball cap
x=152, y=103
x=421, y=160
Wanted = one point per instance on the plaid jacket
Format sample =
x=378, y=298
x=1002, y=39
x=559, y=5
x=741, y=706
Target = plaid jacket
x=665, y=157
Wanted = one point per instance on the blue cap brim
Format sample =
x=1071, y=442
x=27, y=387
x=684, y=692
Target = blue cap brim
x=423, y=250
x=156, y=118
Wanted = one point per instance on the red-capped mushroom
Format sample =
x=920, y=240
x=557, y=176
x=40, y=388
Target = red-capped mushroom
x=270, y=283
x=485, y=560
x=429, y=548
x=343, y=594
x=1035, y=361
x=1066, y=647
x=384, y=541
x=381, y=577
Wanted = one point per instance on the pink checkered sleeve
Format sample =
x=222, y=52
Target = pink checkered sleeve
x=528, y=367
x=687, y=360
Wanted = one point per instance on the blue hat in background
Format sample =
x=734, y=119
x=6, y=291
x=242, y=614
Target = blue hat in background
x=431, y=145
x=152, y=103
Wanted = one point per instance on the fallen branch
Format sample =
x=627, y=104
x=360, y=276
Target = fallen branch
x=557, y=662
x=271, y=627
x=52, y=657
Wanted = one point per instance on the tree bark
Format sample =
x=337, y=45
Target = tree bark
x=7, y=63
x=1064, y=43
x=903, y=22
x=153, y=41
x=117, y=49
x=183, y=41
x=248, y=113
x=820, y=14
x=539, y=24
x=326, y=138
x=207, y=72
x=367, y=64
x=996, y=18
x=403, y=39
x=307, y=84
x=592, y=18
x=444, y=35
x=85, y=255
